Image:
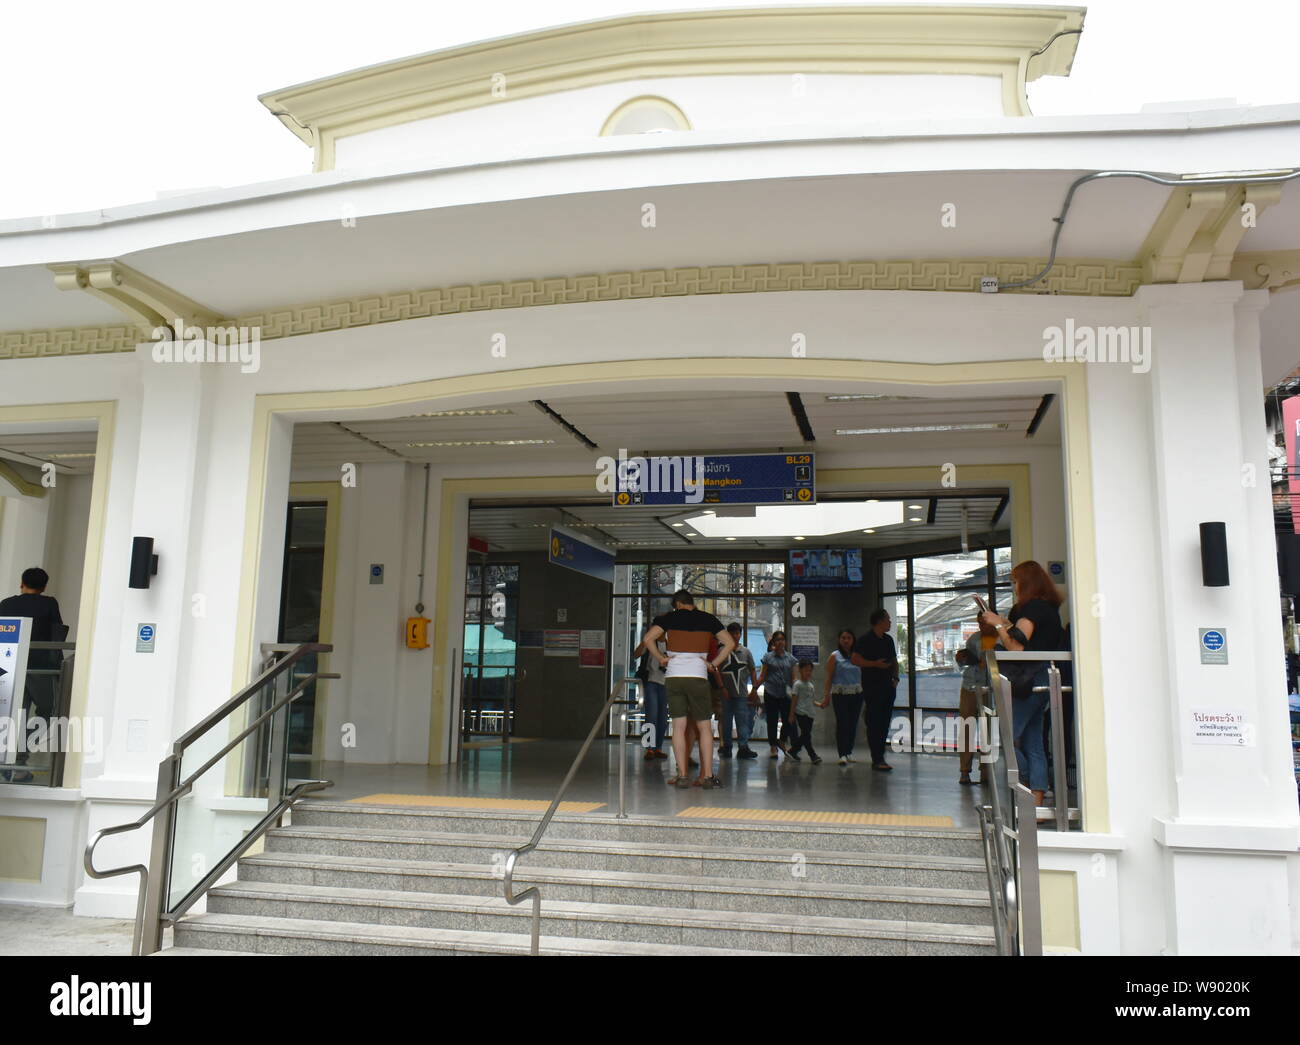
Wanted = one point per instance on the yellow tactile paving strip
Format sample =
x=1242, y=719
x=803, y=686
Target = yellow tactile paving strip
x=808, y=816
x=484, y=745
x=525, y=805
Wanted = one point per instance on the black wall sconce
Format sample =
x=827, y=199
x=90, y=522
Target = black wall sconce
x=144, y=563
x=1214, y=554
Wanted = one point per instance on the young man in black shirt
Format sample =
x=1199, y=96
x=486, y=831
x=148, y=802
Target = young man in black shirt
x=877, y=656
x=38, y=696
x=686, y=631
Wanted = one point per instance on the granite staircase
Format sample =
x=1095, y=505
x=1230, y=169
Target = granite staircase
x=348, y=878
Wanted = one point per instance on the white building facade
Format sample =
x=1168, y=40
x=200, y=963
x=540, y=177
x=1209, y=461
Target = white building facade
x=776, y=200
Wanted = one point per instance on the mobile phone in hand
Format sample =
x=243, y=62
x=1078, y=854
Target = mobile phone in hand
x=980, y=603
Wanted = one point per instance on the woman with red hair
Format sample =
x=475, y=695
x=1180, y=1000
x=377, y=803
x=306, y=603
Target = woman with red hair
x=1034, y=623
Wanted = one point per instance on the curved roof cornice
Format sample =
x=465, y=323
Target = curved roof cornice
x=1001, y=40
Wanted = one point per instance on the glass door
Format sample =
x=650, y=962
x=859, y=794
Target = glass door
x=300, y=617
x=491, y=640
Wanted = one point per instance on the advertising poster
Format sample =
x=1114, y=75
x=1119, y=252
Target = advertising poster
x=560, y=642
x=591, y=649
x=826, y=568
x=15, y=633
x=1291, y=426
x=804, y=641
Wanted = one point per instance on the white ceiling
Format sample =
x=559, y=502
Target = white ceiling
x=635, y=531
x=842, y=218
x=699, y=422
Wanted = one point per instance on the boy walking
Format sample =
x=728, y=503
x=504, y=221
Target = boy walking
x=802, y=710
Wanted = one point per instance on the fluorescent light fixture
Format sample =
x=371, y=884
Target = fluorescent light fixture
x=62, y=457
x=464, y=413
x=800, y=520
x=846, y=398
x=486, y=442
x=971, y=426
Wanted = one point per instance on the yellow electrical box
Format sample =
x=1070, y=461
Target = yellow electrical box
x=417, y=632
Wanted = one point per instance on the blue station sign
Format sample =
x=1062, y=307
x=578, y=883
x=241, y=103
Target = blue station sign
x=576, y=553
x=785, y=478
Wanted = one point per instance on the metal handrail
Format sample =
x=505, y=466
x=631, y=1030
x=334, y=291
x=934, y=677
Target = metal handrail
x=171, y=790
x=1014, y=890
x=532, y=891
x=1061, y=810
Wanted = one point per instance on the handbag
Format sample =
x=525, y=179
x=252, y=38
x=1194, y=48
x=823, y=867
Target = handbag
x=643, y=667
x=1020, y=673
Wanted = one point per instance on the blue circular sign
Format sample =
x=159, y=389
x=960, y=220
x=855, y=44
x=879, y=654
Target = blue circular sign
x=1212, y=640
x=146, y=632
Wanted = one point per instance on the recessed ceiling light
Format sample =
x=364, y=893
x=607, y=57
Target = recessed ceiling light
x=915, y=507
x=784, y=521
x=679, y=524
x=692, y=535
x=896, y=429
x=464, y=413
x=798, y=538
x=914, y=518
x=868, y=531
x=731, y=538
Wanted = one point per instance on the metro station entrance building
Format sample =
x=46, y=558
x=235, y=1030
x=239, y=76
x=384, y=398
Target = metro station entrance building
x=709, y=233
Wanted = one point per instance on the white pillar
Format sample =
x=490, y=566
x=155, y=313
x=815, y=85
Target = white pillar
x=141, y=709
x=379, y=616
x=1233, y=818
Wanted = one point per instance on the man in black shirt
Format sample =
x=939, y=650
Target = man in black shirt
x=877, y=656
x=38, y=696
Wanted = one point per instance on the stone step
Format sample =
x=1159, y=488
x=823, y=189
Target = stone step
x=859, y=868
x=791, y=895
x=295, y=936
x=719, y=833
x=730, y=930
x=203, y=952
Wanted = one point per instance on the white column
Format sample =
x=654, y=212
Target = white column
x=377, y=636
x=1233, y=817
x=147, y=687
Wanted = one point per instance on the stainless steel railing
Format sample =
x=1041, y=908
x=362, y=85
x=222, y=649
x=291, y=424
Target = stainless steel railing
x=1009, y=823
x=152, y=906
x=615, y=697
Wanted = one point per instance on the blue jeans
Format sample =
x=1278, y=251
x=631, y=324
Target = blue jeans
x=656, y=714
x=737, y=710
x=1027, y=726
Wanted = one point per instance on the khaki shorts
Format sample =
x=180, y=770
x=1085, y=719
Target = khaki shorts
x=689, y=698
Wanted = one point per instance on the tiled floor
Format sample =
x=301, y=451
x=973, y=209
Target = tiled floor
x=920, y=785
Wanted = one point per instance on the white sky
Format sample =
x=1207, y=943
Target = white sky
x=105, y=104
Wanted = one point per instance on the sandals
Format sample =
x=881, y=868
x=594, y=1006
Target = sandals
x=682, y=783
x=708, y=783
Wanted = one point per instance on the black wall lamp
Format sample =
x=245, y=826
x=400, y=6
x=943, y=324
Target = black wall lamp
x=144, y=563
x=1214, y=554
